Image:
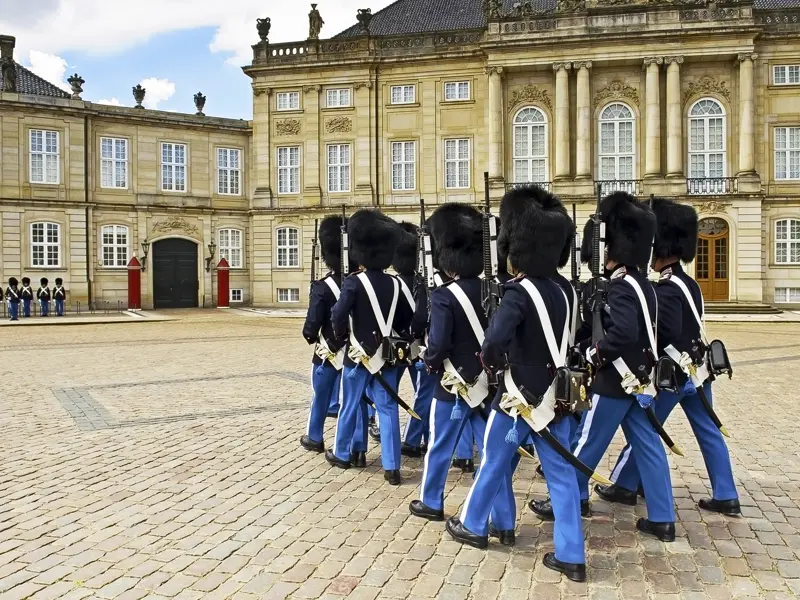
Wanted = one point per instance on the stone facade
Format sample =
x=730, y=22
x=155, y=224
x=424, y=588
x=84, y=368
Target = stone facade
x=313, y=98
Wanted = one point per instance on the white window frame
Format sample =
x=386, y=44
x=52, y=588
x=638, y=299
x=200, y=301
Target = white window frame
x=289, y=299
x=229, y=168
x=289, y=173
x=48, y=153
x=283, y=251
x=787, y=241
x=174, y=168
x=287, y=101
x=617, y=155
x=231, y=248
x=339, y=159
x=711, y=186
x=407, y=94
x=338, y=94
x=46, y=245
x=530, y=161
x=406, y=178
x=459, y=165
x=232, y=292
x=787, y=73
x=457, y=91
x=120, y=252
x=111, y=165
x=789, y=152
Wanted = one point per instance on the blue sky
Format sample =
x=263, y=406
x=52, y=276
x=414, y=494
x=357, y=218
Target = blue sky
x=175, y=48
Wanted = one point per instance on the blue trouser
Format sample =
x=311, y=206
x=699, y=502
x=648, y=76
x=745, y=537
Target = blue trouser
x=26, y=307
x=324, y=388
x=336, y=396
x=13, y=309
x=45, y=305
x=357, y=381
x=425, y=384
x=59, y=307
x=709, y=438
x=465, y=449
x=597, y=429
x=442, y=440
x=492, y=489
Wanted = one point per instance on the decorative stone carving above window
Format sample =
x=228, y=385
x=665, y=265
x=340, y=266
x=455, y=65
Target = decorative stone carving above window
x=570, y=5
x=339, y=125
x=175, y=224
x=713, y=225
x=528, y=94
x=287, y=127
x=616, y=90
x=706, y=85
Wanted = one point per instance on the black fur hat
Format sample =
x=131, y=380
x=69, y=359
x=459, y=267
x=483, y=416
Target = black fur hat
x=43, y=281
x=26, y=281
x=373, y=238
x=676, y=230
x=59, y=281
x=12, y=281
x=405, y=255
x=630, y=227
x=330, y=242
x=566, y=253
x=457, y=233
x=586, y=242
x=535, y=227
x=502, y=258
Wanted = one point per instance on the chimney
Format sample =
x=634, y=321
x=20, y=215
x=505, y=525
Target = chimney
x=8, y=69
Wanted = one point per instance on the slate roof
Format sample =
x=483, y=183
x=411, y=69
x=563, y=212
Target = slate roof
x=422, y=16
x=30, y=83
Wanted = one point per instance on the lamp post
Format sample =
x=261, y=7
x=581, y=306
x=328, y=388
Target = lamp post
x=212, y=249
x=145, y=252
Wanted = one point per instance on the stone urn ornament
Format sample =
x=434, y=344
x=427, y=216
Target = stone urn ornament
x=138, y=95
x=76, y=83
x=364, y=16
x=200, y=102
x=263, y=27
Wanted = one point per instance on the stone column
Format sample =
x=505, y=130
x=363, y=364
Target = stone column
x=747, y=163
x=362, y=129
x=495, y=122
x=653, y=118
x=260, y=165
x=562, y=119
x=583, y=103
x=311, y=159
x=674, y=117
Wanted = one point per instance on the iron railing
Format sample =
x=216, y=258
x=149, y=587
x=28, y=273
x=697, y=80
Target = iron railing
x=704, y=186
x=545, y=185
x=609, y=186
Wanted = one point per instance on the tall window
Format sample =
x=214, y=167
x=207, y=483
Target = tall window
x=786, y=74
x=456, y=163
x=337, y=98
x=707, y=145
x=403, y=94
x=45, y=245
x=113, y=163
x=338, y=167
x=787, y=153
x=44, y=162
x=230, y=247
x=617, y=149
x=456, y=90
x=173, y=167
x=404, y=165
x=228, y=174
x=787, y=241
x=289, y=170
x=288, y=100
x=288, y=247
x=114, y=245
x=530, y=146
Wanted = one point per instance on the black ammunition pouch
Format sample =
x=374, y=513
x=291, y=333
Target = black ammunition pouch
x=572, y=389
x=666, y=377
x=718, y=361
x=396, y=351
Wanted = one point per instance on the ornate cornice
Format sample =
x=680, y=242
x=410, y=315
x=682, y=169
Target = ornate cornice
x=706, y=85
x=617, y=90
x=287, y=127
x=529, y=94
x=339, y=125
x=668, y=60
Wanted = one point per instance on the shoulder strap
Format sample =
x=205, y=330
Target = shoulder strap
x=332, y=285
x=685, y=289
x=469, y=310
x=647, y=320
x=407, y=293
x=384, y=325
x=437, y=279
x=559, y=355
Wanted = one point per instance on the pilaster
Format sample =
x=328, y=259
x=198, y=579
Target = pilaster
x=653, y=118
x=311, y=159
x=562, y=120
x=674, y=117
x=583, y=103
x=260, y=165
x=495, y=122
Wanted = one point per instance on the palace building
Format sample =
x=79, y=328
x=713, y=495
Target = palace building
x=689, y=99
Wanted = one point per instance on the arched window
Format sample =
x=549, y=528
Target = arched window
x=617, y=147
x=114, y=246
x=288, y=245
x=787, y=241
x=530, y=146
x=707, y=146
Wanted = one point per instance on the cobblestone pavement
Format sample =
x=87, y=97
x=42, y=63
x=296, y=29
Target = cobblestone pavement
x=162, y=460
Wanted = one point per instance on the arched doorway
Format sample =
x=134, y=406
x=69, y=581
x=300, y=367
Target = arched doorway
x=711, y=264
x=175, y=279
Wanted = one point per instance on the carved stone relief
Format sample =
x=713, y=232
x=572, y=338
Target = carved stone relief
x=617, y=90
x=339, y=125
x=287, y=127
x=706, y=85
x=529, y=93
x=171, y=224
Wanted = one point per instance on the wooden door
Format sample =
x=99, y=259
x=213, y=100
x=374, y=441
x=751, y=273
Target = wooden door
x=711, y=264
x=175, y=278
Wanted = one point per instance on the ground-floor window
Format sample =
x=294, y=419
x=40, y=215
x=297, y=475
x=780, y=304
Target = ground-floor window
x=236, y=295
x=288, y=295
x=787, y=294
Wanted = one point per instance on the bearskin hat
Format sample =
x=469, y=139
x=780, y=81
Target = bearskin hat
x=457, y=233
x=566, y=253
x=630, y=227
x=59, y=281
x=43, y=281
x=676, y=230
x=373, y=238
x=502, y=258
x=405, y=255
x=586, y=242
x=535, y=227
x=12, y=281
x=26, y=281
x=330, y=241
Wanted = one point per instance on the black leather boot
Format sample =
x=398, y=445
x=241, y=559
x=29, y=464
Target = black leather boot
x=375, y=432
x=358, y=459
x=309, y=444
x=410, y=451
x=393, y=477
x=573, y=571
x=506, y=537
x=465, y=536
x=544, y=508
x=724, y=507
x=467, y=465
x=418, y=509
x=614, y=493
x=540, y=472
x=335, y=460
x=663, y=531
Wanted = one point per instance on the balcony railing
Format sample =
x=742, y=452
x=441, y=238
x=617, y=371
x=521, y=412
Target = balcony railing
x=609, y=186
x=704, y=186
x=545, y=185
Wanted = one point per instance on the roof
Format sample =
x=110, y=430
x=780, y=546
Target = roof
x=30, y=83
x=421, y=16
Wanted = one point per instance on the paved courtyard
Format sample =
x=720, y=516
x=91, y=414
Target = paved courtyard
x=162, y=460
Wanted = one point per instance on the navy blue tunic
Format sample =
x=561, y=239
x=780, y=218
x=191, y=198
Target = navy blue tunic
x=318, y=317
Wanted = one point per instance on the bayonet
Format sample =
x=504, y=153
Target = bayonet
x=424, y=259
x=314, y=255
x=345, y=246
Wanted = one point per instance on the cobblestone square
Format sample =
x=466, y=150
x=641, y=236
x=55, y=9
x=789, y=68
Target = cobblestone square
x=161, y=460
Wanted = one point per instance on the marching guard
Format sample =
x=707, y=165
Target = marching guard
x=13, y=297
x=60, y=296
x=43, y=296
x=26, y=295
x=681, y=337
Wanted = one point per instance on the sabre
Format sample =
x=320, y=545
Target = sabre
x=651, y=416
x=701, y=393
x=481, y=411
x=392, y=394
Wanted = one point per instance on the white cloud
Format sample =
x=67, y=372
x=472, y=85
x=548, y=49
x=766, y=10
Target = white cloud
x=110, y=101
x=49, y=67
x=158, y=90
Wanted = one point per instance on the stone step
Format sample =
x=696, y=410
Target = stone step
x=740, y=308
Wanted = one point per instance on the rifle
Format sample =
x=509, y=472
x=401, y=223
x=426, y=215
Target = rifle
x=345, y=247
x=491, y=288
x=599, y=286
x=576, y=270
x=314, y=255
x=424, y=279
